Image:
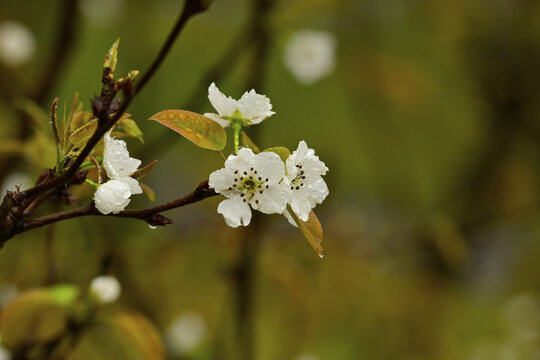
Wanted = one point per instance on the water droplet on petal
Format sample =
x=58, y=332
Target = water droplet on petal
x=152, y=227
x=321, y=255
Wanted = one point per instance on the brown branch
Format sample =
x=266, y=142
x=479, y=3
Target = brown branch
x=150, y=215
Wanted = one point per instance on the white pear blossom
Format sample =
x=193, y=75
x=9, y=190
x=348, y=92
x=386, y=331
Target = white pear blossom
x=114, y=195
x=186, y=333
x=249, y=179
x=304, y=173
x=310, y=55
x=17, y=43
x=252, y=108
x=106, y=288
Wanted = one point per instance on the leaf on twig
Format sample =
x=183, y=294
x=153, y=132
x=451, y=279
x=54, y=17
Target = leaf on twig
x=144, y=171
x=247, y=142
x=112, y=57
x=282, y=151
x=311, y=229
x=197, y=128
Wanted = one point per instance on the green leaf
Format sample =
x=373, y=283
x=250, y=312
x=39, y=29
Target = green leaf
x=64, y=294
x=35, y=316
x=112, y=56
x=198, y=129
x=128, y=127
x=80, y=136
x=144, y=171
x=147, y=190
x=282, y=151
x=247, y=142
x=311, y=229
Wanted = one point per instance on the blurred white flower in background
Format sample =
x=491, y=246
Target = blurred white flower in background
x=101, y=13
x=13, y=180
x=186, y=333
x=310, y=55
x=522, y=314
x=306, y=356
x=106, y=288
x=17, y=43
x=8, y=292
x=4, y=353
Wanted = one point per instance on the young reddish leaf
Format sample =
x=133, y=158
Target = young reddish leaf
x=311, y=229
x=247, y=142
x=144, y=171
x=282, y=151
x=198, y=129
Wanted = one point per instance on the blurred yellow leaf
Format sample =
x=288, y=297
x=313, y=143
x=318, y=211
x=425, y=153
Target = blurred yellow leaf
x=198, y=129
x=34, y=316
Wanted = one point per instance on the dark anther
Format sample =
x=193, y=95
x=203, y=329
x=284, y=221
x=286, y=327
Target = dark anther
x=261, y=191
x=242, y=195
x=266, y=179
x=256, y=201
x=298, y=187
x=251, y=169
x=260, y=178
x=267, y=186
x=236, y=171
x=245, y=172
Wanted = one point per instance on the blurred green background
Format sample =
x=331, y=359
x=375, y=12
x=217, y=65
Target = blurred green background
x=429, y=125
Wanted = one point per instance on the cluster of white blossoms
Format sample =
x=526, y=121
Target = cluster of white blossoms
x=263, y=181
x=310, y=55
x=252, y=108
x=107, y=289
x=114, y=195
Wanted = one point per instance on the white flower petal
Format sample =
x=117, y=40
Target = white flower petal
x=113, y=196
x=255, y=107
x=219, y=120
x=269, y=165
x=242, y=161
x=301, y=207
x=133, y=184
x=116, y=159
x=272, y=201
x=225, y=106
x=290, y=219
x=235, y=211
x=220, y=180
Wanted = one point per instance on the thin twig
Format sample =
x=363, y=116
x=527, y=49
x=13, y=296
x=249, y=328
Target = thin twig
x=200, y=193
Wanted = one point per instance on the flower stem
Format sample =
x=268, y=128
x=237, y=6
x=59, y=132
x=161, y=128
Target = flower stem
x=237, y=127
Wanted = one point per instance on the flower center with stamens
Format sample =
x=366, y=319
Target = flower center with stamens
x=249, y=183
x=298, y=181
